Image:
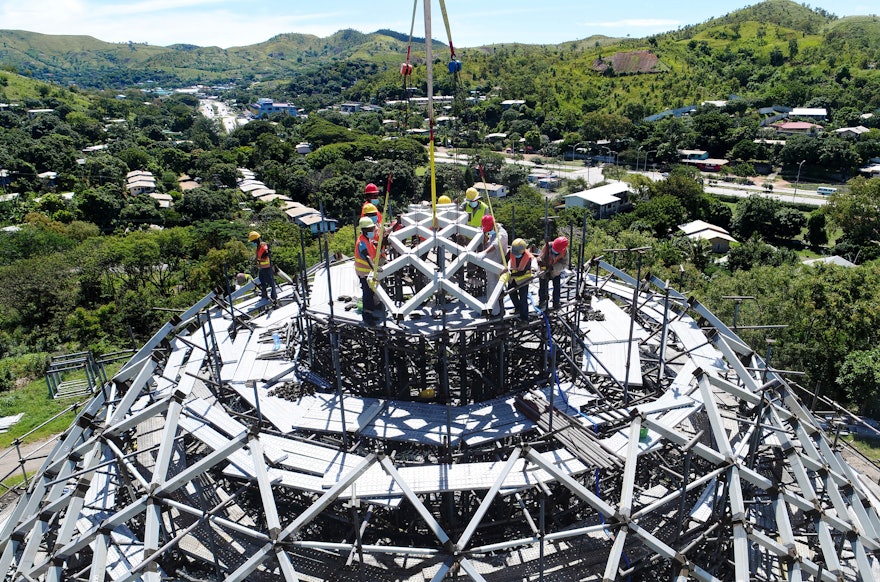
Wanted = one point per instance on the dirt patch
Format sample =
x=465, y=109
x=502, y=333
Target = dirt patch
x=628, y=63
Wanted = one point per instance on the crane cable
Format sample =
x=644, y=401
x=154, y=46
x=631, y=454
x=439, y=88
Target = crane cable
x=406, y=67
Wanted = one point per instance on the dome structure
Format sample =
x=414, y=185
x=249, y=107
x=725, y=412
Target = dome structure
x=628, y=435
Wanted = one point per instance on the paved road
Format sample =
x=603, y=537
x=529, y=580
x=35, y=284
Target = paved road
x=214, y=109
x=35, y=451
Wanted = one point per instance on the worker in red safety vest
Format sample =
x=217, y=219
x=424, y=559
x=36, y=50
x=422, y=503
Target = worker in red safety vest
x=264, y=264
x=519, y=268
x=364, y=266
x=552, y=260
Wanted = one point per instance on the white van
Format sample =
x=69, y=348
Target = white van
x=825, y=190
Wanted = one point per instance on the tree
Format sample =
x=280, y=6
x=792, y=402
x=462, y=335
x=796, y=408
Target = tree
x=662, y=214
x=817, y=235
x=514, y=176
x=341, y=197
x=765, y=217
x=100, y=205
x=857, y=212
x=859, y=378
x=204, y=203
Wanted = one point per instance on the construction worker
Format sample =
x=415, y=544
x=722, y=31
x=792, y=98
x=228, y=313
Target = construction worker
x=474, y=207
x=491, y=235
x=371, y=206
x=552, y=260
x=364, y=265
x=519, y=268
x=264, y=264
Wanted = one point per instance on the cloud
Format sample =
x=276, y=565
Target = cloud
x=634, y=23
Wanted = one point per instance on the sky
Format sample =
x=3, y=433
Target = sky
x=228, y=23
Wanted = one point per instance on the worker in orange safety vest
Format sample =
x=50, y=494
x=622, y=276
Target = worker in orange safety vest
x=264, y=264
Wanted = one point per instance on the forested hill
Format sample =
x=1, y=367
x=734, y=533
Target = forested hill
x=92, y=63
x=730, y=53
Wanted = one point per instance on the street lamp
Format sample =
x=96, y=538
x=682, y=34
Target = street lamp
x=648, y=153
x=575, y=148
x=797, y=180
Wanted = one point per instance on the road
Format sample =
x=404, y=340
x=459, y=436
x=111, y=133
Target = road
x=214, y=109
x=594, y=176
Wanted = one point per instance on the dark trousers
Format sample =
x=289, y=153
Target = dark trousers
x=520, y=297
x=543, y=285
x=267, y=284
x=368, y=298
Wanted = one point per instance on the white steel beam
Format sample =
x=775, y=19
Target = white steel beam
x=613, y=563
x=487, y=500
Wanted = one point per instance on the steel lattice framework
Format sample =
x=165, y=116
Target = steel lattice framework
x=611, y=439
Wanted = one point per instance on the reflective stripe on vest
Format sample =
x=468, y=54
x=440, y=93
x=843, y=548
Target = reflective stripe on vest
x=520, y=268
x=361, y=266
x=263, y=256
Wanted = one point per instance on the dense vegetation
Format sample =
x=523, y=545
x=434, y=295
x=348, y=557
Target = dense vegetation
x=89, y=271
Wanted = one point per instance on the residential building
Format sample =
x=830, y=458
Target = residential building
x=852, y=132
x=265, y=107
x=494, y=190
x=34, y=112
x=693, y=154
x=604, y=201
x=140, y=182
x=797, y=127
x=164, y=200
x=811, y=112
x=185, y=183
x=835, y=260
x=718, y=237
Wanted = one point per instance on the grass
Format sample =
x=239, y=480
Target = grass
x=14, y=481
x=868, y=447
x=33, y=400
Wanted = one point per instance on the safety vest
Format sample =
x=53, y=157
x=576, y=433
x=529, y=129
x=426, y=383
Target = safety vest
x=521, y=268
x=263, y=261
x=475, y=215
x=361, y=266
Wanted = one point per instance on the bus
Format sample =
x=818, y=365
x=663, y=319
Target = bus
x=825, y=190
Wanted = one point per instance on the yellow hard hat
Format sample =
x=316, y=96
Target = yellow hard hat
x=518, y=247
x=366, y=223
x=444, y=200
x=472, y=194
x=370, y=208
x=254, y=235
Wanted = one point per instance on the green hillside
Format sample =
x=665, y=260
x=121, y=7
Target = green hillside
x=776, y=51
x=89, y=62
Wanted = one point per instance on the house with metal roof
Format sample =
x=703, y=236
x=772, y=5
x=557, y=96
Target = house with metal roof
x=604, y=201
x=718, y=237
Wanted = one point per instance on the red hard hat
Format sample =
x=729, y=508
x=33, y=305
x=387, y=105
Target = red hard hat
x=488, y=222
x=371, y=189
x=560, y=244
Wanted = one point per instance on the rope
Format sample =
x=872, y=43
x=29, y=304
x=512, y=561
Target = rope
x=495, y=222
x=448, y=30
x=381, y=233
